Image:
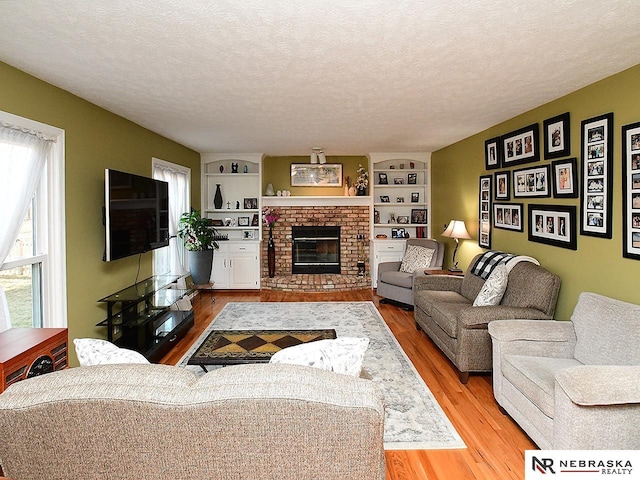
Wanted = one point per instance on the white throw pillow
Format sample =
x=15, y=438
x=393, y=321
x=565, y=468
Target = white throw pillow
x=494, y=287
x=342, y=355
x=416, y=257
x=91, y=351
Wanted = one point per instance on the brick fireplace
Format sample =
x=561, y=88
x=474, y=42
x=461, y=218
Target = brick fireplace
x=353, y=220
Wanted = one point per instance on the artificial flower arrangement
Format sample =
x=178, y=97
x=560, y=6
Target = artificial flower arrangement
x=271, y=216
x=363, y=179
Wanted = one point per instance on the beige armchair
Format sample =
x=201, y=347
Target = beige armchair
x=573, y=385
x=397, y=286
x=444, y=311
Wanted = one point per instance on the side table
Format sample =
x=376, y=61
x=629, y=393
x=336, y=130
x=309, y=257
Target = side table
x=444, y=272
x=27, y=352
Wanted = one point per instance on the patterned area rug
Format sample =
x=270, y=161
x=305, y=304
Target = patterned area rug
x=414, y=420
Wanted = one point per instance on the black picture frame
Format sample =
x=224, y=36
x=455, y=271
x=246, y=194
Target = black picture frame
x=419, y=216
x=596, y=148
x=557, y=136
x=532, y=182
x=243, y=221
x=383, y=179
x=492, y=153
x=553, y=225
x=520, y=146
x=255, y=220
x=415, y=197
x=412, y=178
x=564, y=174
x=484, y=211
x=250, y=203
x=502, y=182
x=508, y=216
x=631, y=191
x=384, y=199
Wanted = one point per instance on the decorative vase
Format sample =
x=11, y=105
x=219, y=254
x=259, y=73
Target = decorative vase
x=200, y=264
x=352, y=192
x=217, y=198
x=346, y=190
x=361, y=192
x=271, y=254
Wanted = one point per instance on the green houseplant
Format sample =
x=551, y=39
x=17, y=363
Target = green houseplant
x=199, y=240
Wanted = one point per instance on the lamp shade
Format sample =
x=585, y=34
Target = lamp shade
x=456, y=229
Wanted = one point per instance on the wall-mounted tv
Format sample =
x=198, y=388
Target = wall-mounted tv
x=136, y=214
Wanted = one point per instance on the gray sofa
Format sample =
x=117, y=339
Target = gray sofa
x=444, y=311
x=397, y=286
x=157, y=421
x=573, y=385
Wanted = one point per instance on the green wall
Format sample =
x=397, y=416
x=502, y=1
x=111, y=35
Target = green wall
x=277, y=170
x=597, y=265
x=95, y=139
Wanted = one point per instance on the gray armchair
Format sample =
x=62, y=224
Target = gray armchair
x=397, y=286
x=573, y=385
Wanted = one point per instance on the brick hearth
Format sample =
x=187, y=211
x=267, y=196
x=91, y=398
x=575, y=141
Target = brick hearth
x=353, y=220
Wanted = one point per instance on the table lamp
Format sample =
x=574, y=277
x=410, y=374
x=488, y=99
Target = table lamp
x=456, y=230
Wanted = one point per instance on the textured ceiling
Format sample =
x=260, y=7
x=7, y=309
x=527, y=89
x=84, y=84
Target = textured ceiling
x=281, y=76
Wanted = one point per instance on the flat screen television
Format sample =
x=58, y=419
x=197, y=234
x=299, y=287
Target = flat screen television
x=136, y=214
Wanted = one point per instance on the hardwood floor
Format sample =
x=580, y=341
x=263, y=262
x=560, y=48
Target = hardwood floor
x=495, y=443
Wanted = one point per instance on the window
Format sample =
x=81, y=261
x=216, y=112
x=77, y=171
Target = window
x=32, y=241
x=171, y=259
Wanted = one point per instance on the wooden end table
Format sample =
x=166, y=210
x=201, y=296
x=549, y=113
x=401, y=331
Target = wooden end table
x=444, y=272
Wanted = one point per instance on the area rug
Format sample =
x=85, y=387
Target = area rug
x=414, y=420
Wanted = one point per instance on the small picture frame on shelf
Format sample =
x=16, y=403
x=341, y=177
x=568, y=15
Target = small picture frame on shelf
x=255, y=221
x=217, y=222
x=383, y=179
x=419, y=215
x=392, y=217
x=384, y=198
x=230, y=222
x=248, y=234
x=403, y=219
x=415, y=197
x=250, y=203
x=243, y=221
x=412, y=178
x=398, y=233
x=398, y=181
x=399, y=199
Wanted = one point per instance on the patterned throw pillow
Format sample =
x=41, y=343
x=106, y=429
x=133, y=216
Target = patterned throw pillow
x=416, y=257
x=91, y=351
x=342, y=355
x=493, y=289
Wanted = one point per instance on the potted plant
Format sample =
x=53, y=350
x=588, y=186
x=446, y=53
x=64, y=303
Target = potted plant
x=199, y=240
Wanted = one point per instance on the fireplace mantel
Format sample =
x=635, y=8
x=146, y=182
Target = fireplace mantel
x=311, y=201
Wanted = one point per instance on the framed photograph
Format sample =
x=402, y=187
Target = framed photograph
x=243, y=221
x=557, y=138
x=492, y=153
x=316, y=175
x=403, y=219
x=554, y=225
x=412, y=178
x=531, y=182
x=631, y=191
x=384, y=198
x=415, y=197
x=255, y=221
x=484, y=211
x=399, y=199
x=508, y=216
x=419, y=215
x=398, y=181
x=250, y=203
x=383, y=179
x=520, y=146
x=398, y=233
x=217, y=222
x=503, y=185
x=596, y=176
x=565, y=178
x=248, y=234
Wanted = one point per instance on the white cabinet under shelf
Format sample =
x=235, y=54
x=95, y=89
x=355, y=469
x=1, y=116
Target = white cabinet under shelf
x=236, y=265
x=385, y=251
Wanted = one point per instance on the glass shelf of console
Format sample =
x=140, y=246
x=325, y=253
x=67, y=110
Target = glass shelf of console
x=141, y=290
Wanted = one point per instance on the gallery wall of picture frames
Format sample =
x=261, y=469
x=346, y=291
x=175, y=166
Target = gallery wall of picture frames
x=588, y=178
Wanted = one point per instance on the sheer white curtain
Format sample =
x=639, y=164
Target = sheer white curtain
x=170, y=260
x=23, y=156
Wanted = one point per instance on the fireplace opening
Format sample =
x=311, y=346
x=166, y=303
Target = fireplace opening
x=315, y=249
